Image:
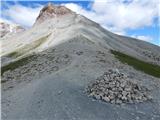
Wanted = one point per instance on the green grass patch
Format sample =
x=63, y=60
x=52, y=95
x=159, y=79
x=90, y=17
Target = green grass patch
x=3, y=81
x=13, y=54
x=16, y=64
x=146, y=67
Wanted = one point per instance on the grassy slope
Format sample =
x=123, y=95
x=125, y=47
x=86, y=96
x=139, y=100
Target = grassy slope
x=21, y=51
x=146, y=67
x=16, y=64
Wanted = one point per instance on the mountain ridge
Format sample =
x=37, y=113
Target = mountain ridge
x=68, y=25
x=52, y=11
x=47, y=68
x=8, y=29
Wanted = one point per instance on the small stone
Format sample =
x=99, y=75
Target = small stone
x=124, y=93
x=128, y=96
x=111, y=97
x=122, y=85
x=128, y=88
x=119, y=95
x=124, y=98
x=118, y=101
x=106, y=99
x=148, y=97
x=113, y=101
x=98, y=97
x=92, y=94
x=137, y=118
x=130, y=101
x=60, y=92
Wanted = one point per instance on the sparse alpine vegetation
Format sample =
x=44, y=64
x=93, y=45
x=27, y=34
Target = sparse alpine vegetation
x=16, y=64
x=146, y=67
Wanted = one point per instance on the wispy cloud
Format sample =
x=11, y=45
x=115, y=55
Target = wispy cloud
x=5, y=20
x=22, y=15
x=142, y=37
x=118, y=15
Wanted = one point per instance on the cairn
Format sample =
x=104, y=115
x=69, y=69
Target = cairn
x=116, y=88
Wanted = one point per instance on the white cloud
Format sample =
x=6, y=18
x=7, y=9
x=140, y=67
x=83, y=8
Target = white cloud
x=119, y=16
x=142, y=37
x=6, y=21
x=115, y=15
x=22, y=15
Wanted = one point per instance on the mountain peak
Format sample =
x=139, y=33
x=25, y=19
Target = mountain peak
x=7, y=28
x=52, y=11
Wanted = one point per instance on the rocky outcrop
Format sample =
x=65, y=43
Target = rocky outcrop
x=117, y=88
x=52, y=11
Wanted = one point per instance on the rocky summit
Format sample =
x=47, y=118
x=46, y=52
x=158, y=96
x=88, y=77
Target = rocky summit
x=117, y=88
x=52, y=11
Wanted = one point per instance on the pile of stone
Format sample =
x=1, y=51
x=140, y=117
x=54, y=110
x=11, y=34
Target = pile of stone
x=117, y=88
x=41, y=64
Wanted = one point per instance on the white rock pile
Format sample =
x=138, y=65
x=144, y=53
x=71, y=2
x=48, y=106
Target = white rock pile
x=117, y=88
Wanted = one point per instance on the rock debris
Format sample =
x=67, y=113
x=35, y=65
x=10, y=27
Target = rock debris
x=117, y=88
x=41, y=64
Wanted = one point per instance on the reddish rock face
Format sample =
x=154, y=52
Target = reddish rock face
x=52, y=11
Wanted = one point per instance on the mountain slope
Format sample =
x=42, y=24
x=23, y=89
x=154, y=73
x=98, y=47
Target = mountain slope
x=48, y=67
x=67, y=26
x=8, y=29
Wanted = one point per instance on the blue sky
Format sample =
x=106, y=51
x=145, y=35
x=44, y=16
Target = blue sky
x=134, y=18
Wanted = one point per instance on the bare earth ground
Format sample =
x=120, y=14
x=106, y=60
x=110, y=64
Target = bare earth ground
x=59, y=94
